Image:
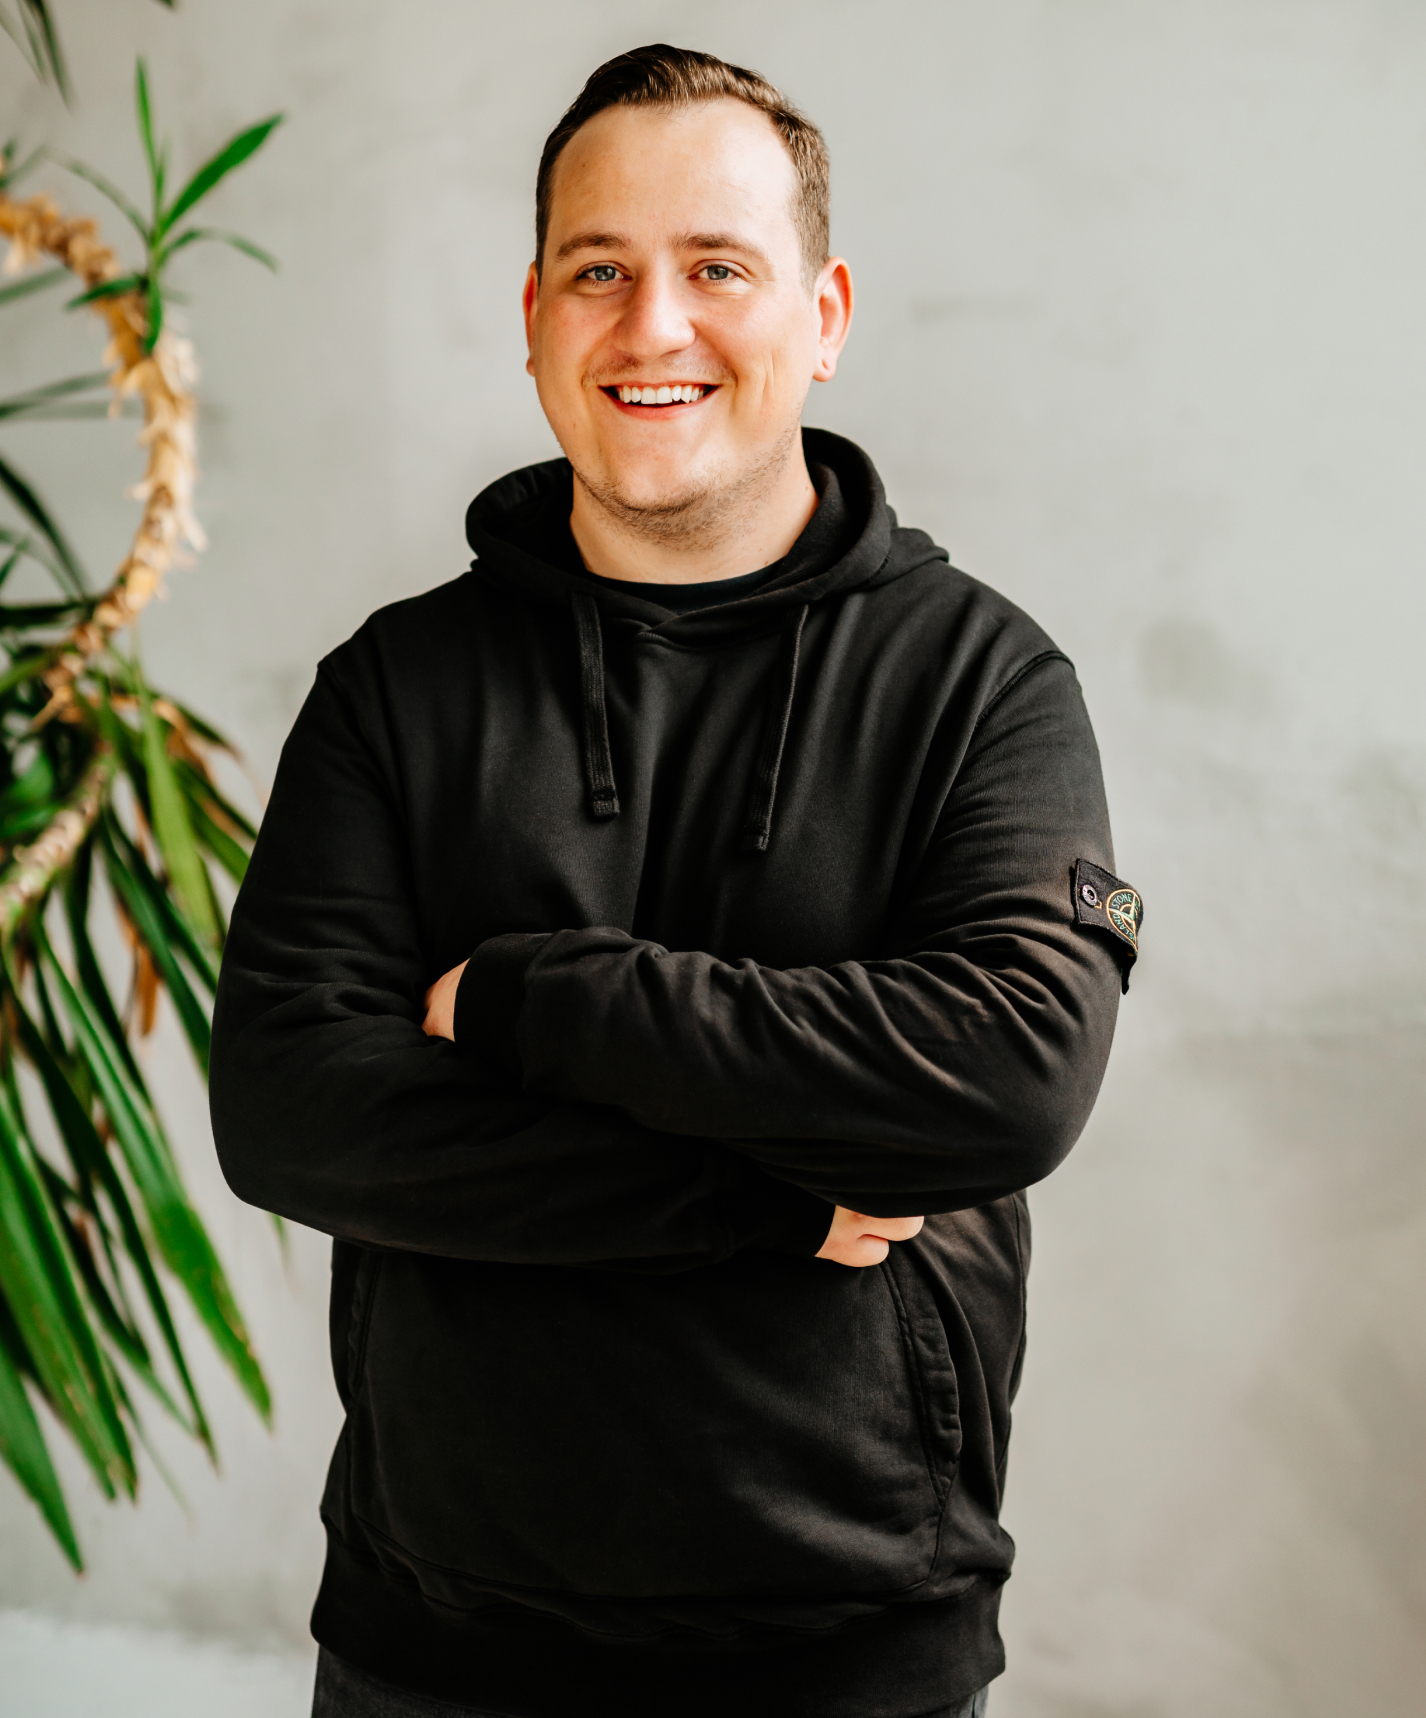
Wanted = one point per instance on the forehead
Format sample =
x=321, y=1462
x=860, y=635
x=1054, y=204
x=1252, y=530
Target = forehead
x=712, y=166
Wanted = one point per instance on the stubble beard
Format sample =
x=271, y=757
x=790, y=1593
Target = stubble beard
x=704, y=515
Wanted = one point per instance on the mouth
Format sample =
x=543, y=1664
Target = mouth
x=658, y=396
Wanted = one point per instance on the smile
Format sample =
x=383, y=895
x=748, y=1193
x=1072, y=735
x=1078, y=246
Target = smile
x=665, y=394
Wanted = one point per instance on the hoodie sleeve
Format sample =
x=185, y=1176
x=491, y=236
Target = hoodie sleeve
x=960, y=1067
x=332, y=1107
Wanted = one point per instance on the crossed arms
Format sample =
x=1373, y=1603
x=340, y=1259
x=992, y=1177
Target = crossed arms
x=854, y=1238
x=653, y=1109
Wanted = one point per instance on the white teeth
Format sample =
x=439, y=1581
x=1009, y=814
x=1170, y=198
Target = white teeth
x=684, y=393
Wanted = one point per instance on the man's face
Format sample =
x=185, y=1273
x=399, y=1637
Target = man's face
x=672, y=266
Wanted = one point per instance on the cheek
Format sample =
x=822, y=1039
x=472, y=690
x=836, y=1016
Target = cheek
x=773, y=358
x=563, y=342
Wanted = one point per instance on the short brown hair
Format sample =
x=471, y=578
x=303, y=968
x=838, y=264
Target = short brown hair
x=661, y=76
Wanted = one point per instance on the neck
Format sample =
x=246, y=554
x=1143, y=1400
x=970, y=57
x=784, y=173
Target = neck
x=721, y=536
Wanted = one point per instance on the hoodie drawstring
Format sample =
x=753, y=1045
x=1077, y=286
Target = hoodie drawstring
x=598, y=760
x=757, y=831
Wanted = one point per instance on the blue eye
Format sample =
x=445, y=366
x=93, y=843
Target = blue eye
x=719, y=271
x=603, y=273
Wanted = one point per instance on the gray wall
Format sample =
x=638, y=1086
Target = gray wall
x=1139, y=339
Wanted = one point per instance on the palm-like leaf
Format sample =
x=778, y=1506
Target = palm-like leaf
x=96, y=1228
x=34, y=33
x=22, y=493
x=233, y=153
x=155, y=228
x=22, y=288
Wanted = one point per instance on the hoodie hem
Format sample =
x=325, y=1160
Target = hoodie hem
x=902, y=1661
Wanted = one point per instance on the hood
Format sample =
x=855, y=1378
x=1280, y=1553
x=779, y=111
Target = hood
x=876, y=548
x=873, y=550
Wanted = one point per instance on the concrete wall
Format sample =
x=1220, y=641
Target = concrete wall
x=1139, y=338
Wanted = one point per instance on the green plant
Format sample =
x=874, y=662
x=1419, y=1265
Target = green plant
x=33, y=32
x=108, y=803
x=163, y=232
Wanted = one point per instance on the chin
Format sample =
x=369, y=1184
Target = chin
x=658, y=487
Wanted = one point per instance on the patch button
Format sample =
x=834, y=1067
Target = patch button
x=1104, y=901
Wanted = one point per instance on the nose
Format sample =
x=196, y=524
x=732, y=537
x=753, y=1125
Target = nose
x=656, y=321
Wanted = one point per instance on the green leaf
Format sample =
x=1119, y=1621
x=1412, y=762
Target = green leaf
x=34, y=550
x=19, y=617
x=125, y=744
x=199, y=235
x=204, y=730
x=113, y=1311
x=30, y=801
x=155, y=310
x=148, y=922
x=174, y=832
x=45, y=44
x=108, y=289
x=122, y=1333
x=203, y=795
x=86, y=965
x=88, y=1154
x=53, y=1036
x=229, y=854
x=25, y=498
x=176, y=930
x=11, y=170
x=22, y=42
x=19, y=404
x=231, y=155
x=38, y=1284
x=29, y=283
x=22, y=1448
x=141, y=97
x=81, y=411
x=27, y=668
x=181, y=1237
x=113, y=193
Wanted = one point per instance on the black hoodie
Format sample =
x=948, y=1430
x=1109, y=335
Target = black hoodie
x=793, y=900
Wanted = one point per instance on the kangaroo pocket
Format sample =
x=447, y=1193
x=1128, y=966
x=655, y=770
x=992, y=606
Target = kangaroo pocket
x=768, y=1427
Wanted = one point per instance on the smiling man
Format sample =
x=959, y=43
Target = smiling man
x=671, y=950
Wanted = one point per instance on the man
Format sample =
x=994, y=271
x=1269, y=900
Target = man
x=667, y=914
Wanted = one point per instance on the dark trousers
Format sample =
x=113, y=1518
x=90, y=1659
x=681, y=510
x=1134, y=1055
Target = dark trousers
x=343, y=1691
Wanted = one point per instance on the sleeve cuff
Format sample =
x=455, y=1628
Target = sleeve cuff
x=776, y=1217
x=489, y=997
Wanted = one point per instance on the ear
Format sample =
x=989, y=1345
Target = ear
x=529, y=299
x=832, y=297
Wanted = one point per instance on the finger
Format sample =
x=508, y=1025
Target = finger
x=894, y=1228
x=901, y=1228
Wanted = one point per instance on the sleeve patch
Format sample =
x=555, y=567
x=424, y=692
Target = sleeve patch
x=1103, y=900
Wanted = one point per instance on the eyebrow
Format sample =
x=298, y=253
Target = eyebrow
x=594, y=241
x=722, y=242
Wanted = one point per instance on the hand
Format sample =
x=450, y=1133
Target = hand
x=858, y=1240
x=440, y=1021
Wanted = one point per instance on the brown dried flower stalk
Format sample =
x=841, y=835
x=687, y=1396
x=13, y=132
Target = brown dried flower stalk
x=163, y=380
x=33, y=868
